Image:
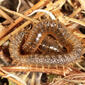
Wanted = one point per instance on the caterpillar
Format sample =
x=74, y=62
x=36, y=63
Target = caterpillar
x=39, y=32
x=49, y=44
x=58, y=31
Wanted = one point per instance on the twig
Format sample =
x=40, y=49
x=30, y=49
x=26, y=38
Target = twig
x=75, y=20
x=39, y=78
x=53, y=8
x=60, y=16
x=3, y=74
x=75, y=12
x=80, y=66
x=33, y=79
x=69, y=1
x=29, y=3
x=79, y=34
x=33, y=69
x=6, y=16
x=18, y=14
x=24, y=78
x=56, y=70
x=75, y=78
x=19, y=4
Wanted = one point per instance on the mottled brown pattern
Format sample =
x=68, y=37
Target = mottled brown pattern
x=45, y=28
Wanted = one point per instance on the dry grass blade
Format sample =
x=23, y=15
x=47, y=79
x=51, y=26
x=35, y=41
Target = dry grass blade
x=2, y=13
x=73, y=78
x=18, y=14
x=75, y=12
x=79, y=35
x=75, y=20
x=19, y=4
x=3, y=73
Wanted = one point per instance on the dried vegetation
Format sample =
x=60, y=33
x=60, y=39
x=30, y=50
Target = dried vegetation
x=13, y=18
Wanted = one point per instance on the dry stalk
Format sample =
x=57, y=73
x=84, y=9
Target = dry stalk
x=58, y=70
x=75, y=20
x=33, y=79
x=53, y=7
x=81, y=67
x=74, y=78
x=19, y=4
x=79, y=34
x=18, y=14
x=69, y=1
x=10, y=78
x=75, y=12
x=6, y=16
